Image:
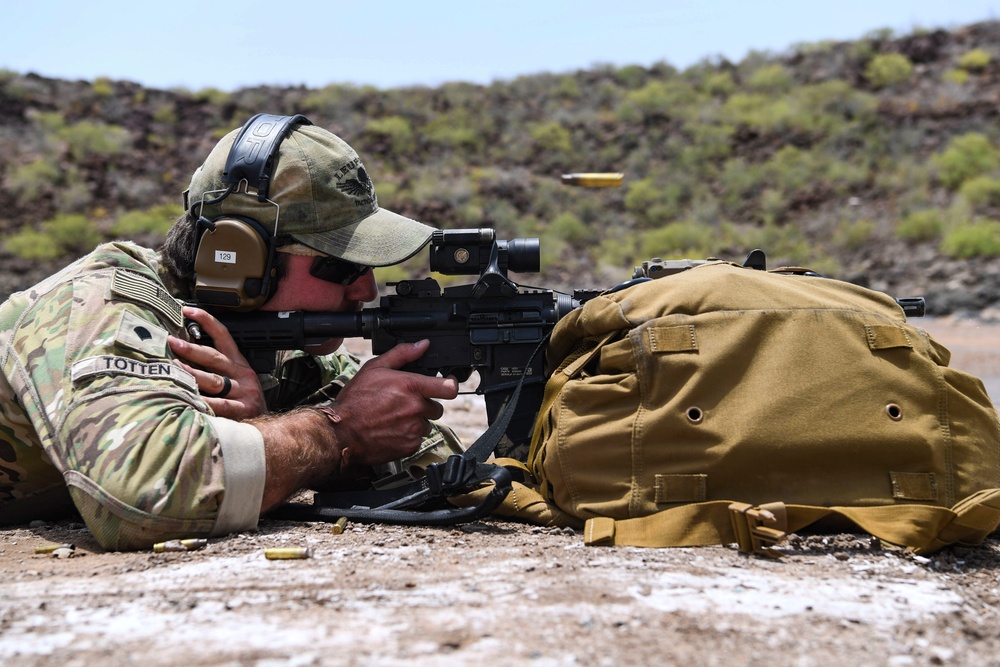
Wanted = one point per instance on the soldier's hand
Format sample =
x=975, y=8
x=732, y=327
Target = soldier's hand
x=225, y=379
x=384, y=413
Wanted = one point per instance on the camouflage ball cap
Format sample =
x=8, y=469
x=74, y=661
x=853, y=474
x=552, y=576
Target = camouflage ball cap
x=327, y=200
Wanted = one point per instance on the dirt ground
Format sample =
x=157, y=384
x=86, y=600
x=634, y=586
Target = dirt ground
x=502, y=593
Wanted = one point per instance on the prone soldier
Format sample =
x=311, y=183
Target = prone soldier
x=108, y=405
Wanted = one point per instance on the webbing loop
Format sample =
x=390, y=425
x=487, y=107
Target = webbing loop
x=757, y=529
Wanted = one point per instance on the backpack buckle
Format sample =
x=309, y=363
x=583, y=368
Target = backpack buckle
x=757, y=529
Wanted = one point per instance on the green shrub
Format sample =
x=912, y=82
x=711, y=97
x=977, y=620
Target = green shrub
x=966, y=156
x=654, y=203
x=959, y=76
x=102, y=87
x=833, y=102
x=213, y=96
x=394, y=129
x=568, y=227
x=631, y=76
x=457, y=129
x=888, y=69
x=974, y=60
x=879, y=35
x=812, y=48
x=754, y=110
x=679, y=240
x=710, y=142
x=73, y=196
x=619, y=250
x=165, y=113
x=155, y=220
x=551, y=137
x=821, y=109
x=569, y=87
x=792, y=169
x=981, y=191
x=73, y=232
x=32, y=180
x=719, y=83
x=32, y=244
x=772, y=204
x=462, y=138
x=770, y=79
x=854, y=235
x=861, y=50
x=976, y=239
x=50, y=122
x=784, y=244
x=924, y=225
x=740, y=182
x=57, y=237
x=659, y=99
x=88, y=138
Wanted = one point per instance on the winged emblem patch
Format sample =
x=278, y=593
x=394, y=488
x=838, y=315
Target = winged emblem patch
x=358, y=187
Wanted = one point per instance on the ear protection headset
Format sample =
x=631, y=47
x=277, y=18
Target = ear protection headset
x=234, y=261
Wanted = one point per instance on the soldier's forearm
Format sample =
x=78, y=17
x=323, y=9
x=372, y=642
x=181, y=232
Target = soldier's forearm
x=301, y=449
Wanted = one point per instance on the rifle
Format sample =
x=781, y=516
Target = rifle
x=493, y=326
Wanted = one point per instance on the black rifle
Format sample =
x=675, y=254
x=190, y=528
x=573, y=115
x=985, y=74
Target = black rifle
x=493, y=326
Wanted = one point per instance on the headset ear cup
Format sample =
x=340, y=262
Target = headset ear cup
x=234, y=265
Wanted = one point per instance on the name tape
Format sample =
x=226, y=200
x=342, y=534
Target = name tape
x=113, y=365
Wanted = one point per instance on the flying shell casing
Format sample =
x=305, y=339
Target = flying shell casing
x=179, y=545
x=594, y=180
x=288, y=553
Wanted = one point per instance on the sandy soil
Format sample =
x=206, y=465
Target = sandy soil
x=503, y=593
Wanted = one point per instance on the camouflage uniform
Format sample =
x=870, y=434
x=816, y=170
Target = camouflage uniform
x=92, y=400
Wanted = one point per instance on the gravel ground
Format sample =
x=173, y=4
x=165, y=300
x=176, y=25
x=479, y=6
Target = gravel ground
x=503, y=593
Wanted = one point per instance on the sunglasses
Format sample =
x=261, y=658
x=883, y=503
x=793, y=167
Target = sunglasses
x=339, y=271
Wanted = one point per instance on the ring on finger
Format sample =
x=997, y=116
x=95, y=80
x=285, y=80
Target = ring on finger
x=227, y=386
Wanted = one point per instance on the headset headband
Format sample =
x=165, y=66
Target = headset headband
x=251, y=157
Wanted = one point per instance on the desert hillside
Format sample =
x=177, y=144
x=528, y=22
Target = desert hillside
x=875, y=160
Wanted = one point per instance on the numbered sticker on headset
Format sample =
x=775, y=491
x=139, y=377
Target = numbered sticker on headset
x=225, y=256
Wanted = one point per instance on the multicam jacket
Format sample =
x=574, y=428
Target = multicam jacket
x=92, y=401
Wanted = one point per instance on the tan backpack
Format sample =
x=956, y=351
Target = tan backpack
x=725, y=404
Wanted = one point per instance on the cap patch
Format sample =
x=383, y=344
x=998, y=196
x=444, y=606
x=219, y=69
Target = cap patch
x=361, y=186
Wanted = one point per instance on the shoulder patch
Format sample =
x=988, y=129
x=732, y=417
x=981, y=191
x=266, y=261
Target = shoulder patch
x=138, y=287
x=107, y=364
x=137, y=333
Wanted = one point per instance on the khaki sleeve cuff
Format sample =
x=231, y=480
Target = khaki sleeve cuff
x=244, y=463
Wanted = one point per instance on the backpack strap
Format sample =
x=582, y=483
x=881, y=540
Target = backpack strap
x=920, y=528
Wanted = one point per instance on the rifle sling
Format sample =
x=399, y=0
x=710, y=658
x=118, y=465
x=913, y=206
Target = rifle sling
x=386, y=505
